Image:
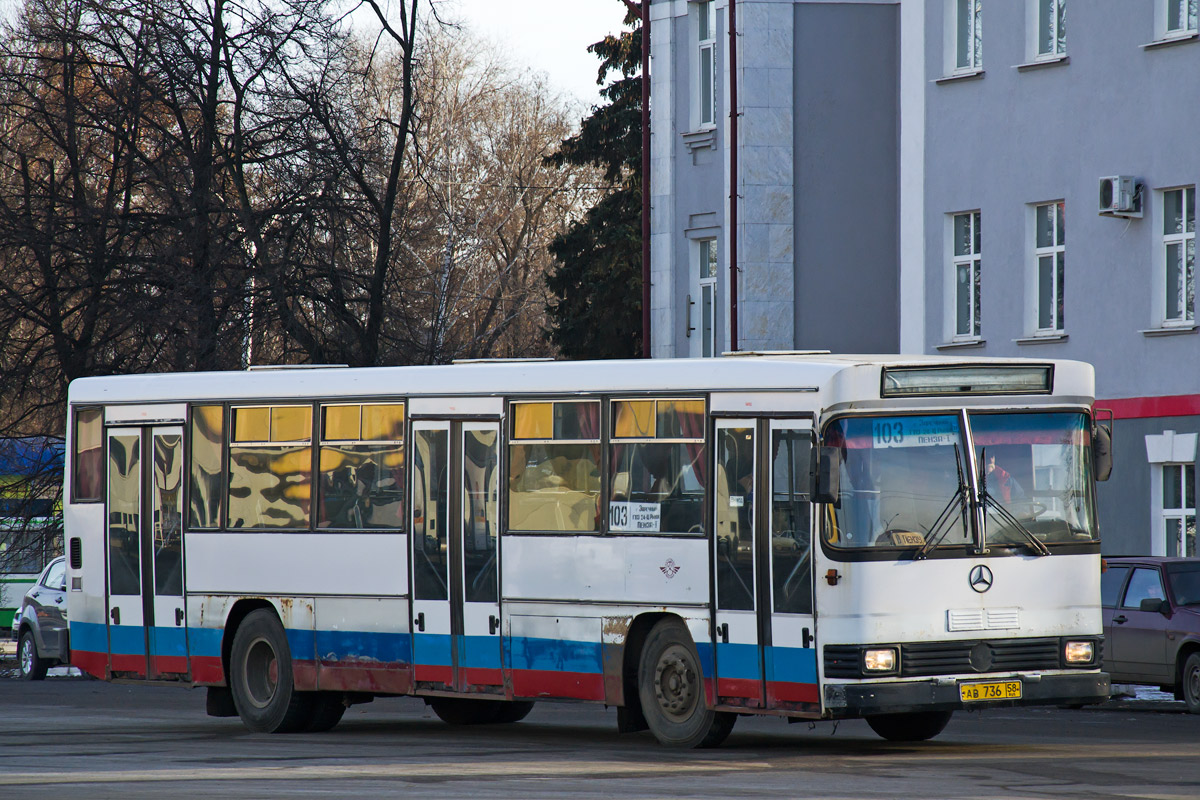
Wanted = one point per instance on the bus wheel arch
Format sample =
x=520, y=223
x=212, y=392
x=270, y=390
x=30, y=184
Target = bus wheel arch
x=671, y=689
x=261, y=676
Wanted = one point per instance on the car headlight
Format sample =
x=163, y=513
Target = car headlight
x=1079, y=652
x=880, y=660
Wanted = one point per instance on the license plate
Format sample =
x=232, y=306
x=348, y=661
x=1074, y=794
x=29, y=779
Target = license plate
x=1001, y=690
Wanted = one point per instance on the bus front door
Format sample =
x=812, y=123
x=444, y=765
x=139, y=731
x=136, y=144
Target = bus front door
x=147, y=632
x=765, y=631
x=455, y=537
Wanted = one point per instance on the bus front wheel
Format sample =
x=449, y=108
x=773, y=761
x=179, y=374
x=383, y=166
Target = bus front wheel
x=915, y=726
x=671, y=689
x=260, y=675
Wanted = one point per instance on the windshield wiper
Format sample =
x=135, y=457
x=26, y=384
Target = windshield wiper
x=944, y=522
x=991, y=503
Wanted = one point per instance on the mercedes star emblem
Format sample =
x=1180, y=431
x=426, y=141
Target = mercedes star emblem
x=980, y=578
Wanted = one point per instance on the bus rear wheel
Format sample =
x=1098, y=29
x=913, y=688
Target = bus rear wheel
x=671, y=690
x=260, y=676
x=471, y=711
x=326, y=711
x=914, y=726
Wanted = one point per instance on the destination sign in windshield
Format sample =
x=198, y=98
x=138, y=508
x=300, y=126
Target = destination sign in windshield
x=914, y=432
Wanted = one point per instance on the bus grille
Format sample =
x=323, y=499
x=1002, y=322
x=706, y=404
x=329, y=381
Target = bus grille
x=918, y=659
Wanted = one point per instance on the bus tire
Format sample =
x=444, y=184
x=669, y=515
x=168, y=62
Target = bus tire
x=326, y=711
x=513, y=711
x=465, y=710
x=671, y=690
x=260, y=676
x=32, y=666
x=914, y=726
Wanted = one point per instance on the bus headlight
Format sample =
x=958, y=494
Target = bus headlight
x=1079, y=652
x=880, y=660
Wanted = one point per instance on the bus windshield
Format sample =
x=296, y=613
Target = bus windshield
x=900, y=481
x=1035, y=470
x=905, y=480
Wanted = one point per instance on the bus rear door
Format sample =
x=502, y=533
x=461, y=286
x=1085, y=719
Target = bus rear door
x=765, y=630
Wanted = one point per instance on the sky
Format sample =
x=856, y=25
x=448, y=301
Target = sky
x=549, y=36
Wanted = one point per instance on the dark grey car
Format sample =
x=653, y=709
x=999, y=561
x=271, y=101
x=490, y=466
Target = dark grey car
x=41, y=623
x=1152, y=623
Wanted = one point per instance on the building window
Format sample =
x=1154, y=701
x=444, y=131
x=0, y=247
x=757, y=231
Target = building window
x=968, y=37
x=1051, y=28
x=706, y=15
x=1179, y=18
x=966, y=269
x=1179, y=509
x=708, y=296
x=1179, y=255
x=1049, y=258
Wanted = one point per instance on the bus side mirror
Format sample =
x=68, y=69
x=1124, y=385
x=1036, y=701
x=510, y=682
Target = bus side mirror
x=1102, y=460
x=828, y=476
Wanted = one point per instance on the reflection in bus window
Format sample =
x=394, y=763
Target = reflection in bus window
x=88, y=472
x=899, y=481
x=431, y=513
x=554, y=472
x=270, y=467
x=362, y=467
x=1037, y=467
x=657, y=461
x=124, y=514
x=166, y=504
x=207, y=485
x=734, y=516
x=481, y=513
x=791, y=542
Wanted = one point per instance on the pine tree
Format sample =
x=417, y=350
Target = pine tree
x=596, y=309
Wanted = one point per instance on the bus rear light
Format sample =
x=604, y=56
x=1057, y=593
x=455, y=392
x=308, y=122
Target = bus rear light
x=880, y=660
x=1079, y=652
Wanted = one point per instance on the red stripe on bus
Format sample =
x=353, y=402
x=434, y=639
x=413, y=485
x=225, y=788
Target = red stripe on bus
x=173, y=664
x=1177, y=405
x=208, y=670
x=389, y=678
x=480, y=676
x=433, y=674
x=129, y=663
x=304, y=675
x=788, y=692
x=545, y=683
x=91, y=663
x=739, y=687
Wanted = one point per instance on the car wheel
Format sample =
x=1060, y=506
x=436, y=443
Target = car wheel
x=260, y=668
x=914, y=726
x=1191, y=683
x=33, y=667
x=671, y=689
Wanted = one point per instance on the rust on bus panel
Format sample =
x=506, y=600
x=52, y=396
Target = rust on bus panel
x=296, y=612
x=614, y=632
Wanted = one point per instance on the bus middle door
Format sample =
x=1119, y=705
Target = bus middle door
x=455, y=537
x=765, y=643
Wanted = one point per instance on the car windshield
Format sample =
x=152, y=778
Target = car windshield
x=1185, y=583
x=899, y=481
x=1036, y=470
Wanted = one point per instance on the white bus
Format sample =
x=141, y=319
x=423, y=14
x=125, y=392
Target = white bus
x=800, y=535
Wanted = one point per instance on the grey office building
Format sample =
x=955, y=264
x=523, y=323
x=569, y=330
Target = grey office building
x=906, y=174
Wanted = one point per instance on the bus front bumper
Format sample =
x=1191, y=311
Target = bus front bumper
x=944, y=694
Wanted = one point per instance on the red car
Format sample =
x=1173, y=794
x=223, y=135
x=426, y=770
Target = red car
x=1152, y=623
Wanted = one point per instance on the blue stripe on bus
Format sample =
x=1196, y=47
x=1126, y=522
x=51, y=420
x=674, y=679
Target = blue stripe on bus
x=127, y=640
x=705, y=652
x=479, y=652
x=792, y=664
x=169, y=642
x=303, y=644
x=554, y=655
x=205, y=642
x=353, y=645
x=89, y=637
x=738, y=661
x=432, y=649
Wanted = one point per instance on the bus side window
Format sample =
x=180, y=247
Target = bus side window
x=206, y=494
x=270, y=467
x=362, y=467
x=554, y=466
x=87, y=479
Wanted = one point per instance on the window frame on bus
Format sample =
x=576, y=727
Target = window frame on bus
x=320, y=441
x=230, y=432
x=76, y=413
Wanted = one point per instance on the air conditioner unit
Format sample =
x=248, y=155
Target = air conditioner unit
x=1120, y=196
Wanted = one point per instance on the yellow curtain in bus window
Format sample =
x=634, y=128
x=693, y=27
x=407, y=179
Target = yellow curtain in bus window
x=533, y=420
